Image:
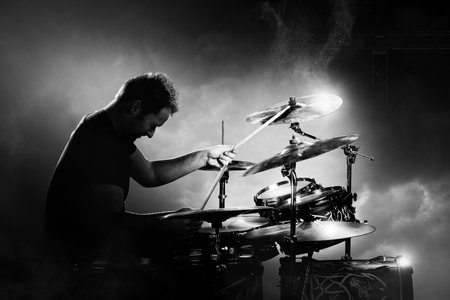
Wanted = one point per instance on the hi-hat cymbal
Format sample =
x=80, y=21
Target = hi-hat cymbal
x=307, y=108
x=236, y=224
x=301, y=151
x=310, y=232
x=218, y=214
x=235, y=165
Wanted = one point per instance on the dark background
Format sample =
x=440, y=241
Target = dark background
x=388, y=61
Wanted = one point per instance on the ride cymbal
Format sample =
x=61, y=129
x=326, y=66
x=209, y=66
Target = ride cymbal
x=301, y=151
x=306, y=108
x=311, y=232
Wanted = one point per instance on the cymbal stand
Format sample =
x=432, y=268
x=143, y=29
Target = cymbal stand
x=224, y=178
x=351, y=152
x=288, y=170
x=216, y=226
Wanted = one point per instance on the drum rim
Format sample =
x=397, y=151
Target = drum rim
x=281, y=183
x=323, y=199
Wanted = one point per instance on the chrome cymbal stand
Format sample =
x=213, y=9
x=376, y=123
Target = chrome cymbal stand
x=222, y=183
x=288, y=170
x=351, y=152
x=224, y=178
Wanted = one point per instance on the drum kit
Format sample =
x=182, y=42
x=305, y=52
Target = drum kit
x=298, y=214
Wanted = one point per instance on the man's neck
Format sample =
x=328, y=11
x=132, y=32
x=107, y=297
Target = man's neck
x=116, y=118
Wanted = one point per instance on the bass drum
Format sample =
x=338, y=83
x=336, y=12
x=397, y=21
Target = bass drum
x=279, y=194
x=335, y=206
x=230, y=275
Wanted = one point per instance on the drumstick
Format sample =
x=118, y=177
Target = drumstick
x=223, y=169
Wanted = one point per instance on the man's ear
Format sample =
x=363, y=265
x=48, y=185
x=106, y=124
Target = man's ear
x=136, y=107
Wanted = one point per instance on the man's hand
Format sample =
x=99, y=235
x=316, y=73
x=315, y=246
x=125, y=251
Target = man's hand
x=220, y=155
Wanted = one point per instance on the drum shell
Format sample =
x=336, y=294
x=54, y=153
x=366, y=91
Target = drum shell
x=334, y=207
x=378, y=278
x=283, y=197
x=236, y=276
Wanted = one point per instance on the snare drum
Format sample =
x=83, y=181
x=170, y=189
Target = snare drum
x=279, y=194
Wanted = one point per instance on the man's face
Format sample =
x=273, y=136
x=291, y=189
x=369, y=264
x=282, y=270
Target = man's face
x=146, y=124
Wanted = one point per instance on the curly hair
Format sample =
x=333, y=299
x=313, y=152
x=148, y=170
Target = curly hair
x=155, y=90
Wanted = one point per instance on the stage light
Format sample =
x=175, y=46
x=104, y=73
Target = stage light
x=403, y=261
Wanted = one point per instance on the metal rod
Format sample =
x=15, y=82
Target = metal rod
x=349, y=175
x=224, y=178
x=223, y=133
x=293, y=180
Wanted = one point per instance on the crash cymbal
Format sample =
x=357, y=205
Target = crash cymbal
x=310, y=232
x=235, y=165
x=301, y=151
x=307, y=108
x=218, y=214
x=236, y=224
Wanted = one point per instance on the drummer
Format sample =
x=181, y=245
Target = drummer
x=85, y=208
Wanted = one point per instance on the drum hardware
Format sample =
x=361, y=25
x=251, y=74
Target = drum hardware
x=303, y=231
x=296, y=127
x=289, y=171
x=223, y=182
x=287, y=158
x=351, y=151
x=224, y=178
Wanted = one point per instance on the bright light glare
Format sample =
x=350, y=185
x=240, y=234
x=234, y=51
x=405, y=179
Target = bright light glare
x=403, y=261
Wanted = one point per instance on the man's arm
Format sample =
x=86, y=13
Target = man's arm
x=155, y=173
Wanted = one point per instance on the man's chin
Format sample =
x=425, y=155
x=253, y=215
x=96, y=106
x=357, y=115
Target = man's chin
x=141, y=136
